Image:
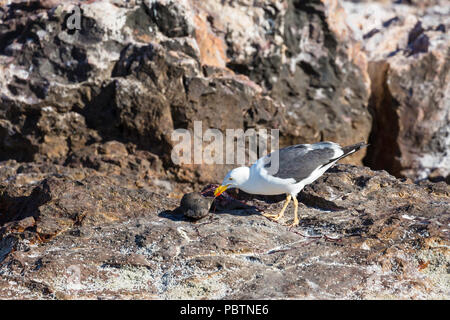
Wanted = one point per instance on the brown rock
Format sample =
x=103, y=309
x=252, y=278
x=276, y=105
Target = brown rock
x=155, y=88
x=87, y=203
x=212, y=48
x=408, y=51
x=288, y=48
x=194, y=205
x=360, y=233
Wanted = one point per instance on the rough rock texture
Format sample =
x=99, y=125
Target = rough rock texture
x=363, y=234
x=89, y=193
x=137, y=70
x=125, y=76
x=195, y=205
x=290, y=49
x=408, y=47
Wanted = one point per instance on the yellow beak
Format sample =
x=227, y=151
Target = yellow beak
x=220, y=190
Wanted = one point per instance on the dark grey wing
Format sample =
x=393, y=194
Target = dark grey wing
x=299, y=161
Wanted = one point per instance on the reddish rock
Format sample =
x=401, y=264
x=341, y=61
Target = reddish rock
x=111, y=87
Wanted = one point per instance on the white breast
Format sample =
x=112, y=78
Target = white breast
x=261, y=182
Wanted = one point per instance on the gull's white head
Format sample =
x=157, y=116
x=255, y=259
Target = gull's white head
x=234, y=179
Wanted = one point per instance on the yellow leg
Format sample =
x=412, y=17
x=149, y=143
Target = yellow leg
x=296, y=220
x=278, y=216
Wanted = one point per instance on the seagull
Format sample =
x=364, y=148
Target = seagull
x=287, y=171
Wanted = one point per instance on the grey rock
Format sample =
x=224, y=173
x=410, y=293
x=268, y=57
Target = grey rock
x=363, y=235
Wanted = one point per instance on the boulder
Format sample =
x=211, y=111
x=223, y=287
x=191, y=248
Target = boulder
x=90, y=193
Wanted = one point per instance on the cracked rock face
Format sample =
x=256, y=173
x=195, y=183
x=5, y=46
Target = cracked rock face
x=134, y=72
x=194, y=205
x=316, y=70
x=290, y=49
x=80, y=234
x=408, y=48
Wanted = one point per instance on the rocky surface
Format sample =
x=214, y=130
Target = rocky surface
x=124, y=76
x=89, y=195
x=141, y=70
x=363, y=234
x=343, y=71
x=194, y=205
x=408, y=48
x=289, y=48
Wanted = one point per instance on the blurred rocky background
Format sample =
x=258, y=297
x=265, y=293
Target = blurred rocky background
x=86, y=117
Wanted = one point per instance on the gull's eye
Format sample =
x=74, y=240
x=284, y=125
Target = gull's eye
x=230, y=179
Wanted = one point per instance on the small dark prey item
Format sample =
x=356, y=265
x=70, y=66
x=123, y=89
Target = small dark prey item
x=195, y=206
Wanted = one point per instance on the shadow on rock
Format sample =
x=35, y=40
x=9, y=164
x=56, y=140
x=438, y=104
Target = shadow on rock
x=174, y=215
x=19, y=207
